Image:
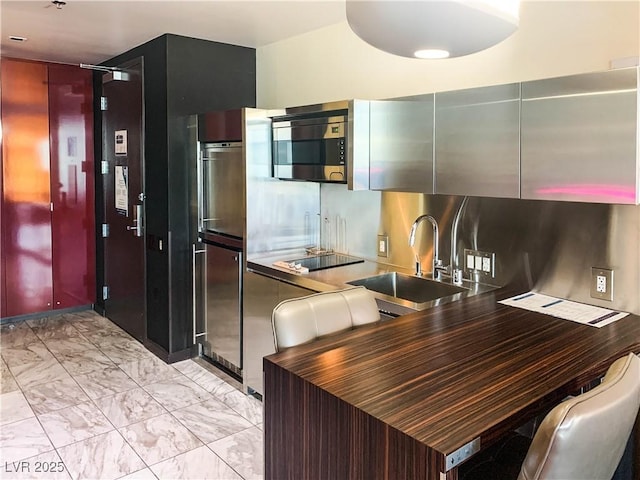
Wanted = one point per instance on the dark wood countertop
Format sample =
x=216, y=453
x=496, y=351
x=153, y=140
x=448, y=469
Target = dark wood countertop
x=468, y=369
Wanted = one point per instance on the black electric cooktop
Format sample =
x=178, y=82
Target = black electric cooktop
x=322, y=262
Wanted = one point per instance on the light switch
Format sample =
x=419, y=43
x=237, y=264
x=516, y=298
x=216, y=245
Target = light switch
x=470, y=262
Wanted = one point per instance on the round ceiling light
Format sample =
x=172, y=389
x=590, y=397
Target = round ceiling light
x=411, y=28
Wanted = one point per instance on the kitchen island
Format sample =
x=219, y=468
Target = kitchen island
x=405, y=398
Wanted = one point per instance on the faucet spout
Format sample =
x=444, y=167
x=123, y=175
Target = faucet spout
x=456, y=273
x=437, y=264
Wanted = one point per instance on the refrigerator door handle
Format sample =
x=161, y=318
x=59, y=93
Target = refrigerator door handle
x=239, y=258
x=194, y=288
x=200, y=193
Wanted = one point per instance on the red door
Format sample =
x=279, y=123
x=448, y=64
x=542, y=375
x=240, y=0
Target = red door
x=72, y=185
x=26, y=201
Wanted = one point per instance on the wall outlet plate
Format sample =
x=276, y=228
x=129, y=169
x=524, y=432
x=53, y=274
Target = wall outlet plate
x=602, y=283
x=383, y=245
x=480, y=263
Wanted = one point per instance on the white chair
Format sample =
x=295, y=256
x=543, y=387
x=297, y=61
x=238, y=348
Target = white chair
x=584, y=437
x=302, y=320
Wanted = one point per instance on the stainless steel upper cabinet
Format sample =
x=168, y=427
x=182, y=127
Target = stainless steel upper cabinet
x=579, y=138
x=477, y=142
x=401, y=145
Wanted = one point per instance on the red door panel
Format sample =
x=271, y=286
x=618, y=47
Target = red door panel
x=72, y=185
x=26, y=214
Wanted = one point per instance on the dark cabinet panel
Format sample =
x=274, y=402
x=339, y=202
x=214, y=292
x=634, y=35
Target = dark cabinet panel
x=26, y=201
x=72, y=185
x=182, y=76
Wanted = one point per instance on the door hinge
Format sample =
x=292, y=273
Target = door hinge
x=105, y=230
x=105, y=292
x=104, y=167
x=104, y=104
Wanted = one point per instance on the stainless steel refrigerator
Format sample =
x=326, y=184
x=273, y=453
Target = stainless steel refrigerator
x=218, y=249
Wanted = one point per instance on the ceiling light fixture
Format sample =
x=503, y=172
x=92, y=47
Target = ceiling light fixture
x=420, y=28
x=58, y=4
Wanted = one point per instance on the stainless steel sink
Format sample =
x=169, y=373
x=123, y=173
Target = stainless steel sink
x=408, y=287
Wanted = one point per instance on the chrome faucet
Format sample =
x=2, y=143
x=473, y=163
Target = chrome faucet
x=454, y=270
x=437, y=263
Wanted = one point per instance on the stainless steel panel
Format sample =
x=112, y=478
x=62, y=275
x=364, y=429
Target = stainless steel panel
x=477, y=142
x=223, y=189
x=401, y=145
x=317, y=173
x=223, y=286
x=261, y=295
x=315, y=128
x=320, y=107
x=358, y=145
x=354, y=216
x=280, y=214
x=580, y=138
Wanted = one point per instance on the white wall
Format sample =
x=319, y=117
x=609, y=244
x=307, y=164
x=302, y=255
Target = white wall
x=555, y=38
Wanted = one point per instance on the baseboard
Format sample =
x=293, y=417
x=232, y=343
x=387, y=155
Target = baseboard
x=46, y=313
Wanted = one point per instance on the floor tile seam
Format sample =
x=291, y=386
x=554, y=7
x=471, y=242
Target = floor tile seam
x=23, y=391
x=74, y=381
x=139, y=470
x=44, y=430
x=116, y=365
x=186, y=426
x=241, y=414
x=28, y=403
x=110, y=394
x=90, y=371
x=106, y=433
x=149, y=465
x=202, y=444
x=190, y=405
x=15, y=378
x=137, y=421
x=222, y=459
x=72, y=353
x=87, y=438
x=60, y=337
x=146, y=420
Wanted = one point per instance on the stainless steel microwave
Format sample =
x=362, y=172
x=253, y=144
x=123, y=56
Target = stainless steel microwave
x=310, y=145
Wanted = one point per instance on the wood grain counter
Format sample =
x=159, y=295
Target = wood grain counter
x=392, y=400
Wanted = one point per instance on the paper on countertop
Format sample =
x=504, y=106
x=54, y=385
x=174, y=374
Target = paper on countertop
x=566, y=309
x=291, y=267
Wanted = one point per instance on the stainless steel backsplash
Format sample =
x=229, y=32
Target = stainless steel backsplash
x=546, y=246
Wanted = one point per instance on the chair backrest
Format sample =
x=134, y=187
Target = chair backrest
x=585, y=436
x=301, y=320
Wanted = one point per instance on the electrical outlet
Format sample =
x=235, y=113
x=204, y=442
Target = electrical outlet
x=602, y=283
x=383, y=245
x=486, y=265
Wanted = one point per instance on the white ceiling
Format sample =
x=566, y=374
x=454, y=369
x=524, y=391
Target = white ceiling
x=92, y=31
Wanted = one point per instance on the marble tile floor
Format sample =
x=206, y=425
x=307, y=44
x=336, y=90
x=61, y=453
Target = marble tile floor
x=81, y=399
